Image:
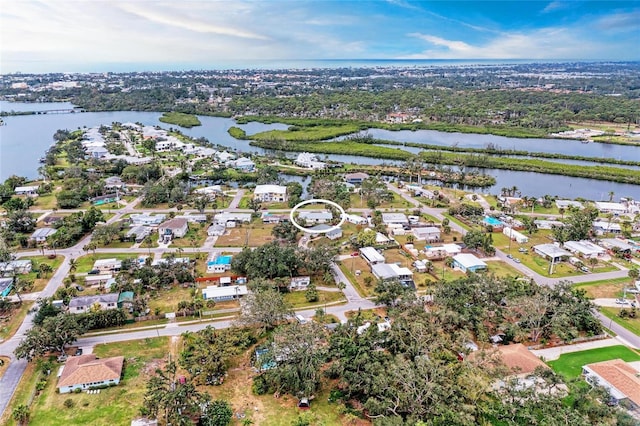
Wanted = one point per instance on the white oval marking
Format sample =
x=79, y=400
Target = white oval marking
x=343, y=216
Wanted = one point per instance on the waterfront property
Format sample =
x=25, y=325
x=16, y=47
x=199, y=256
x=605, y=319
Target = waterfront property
x=567, y=204
x=309, y=161
x=355, y=178
x=270, y=193
x=87, y=371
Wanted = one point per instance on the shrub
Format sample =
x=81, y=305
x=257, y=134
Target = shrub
x=77, y=390
x=68, y=403
x=260, y=385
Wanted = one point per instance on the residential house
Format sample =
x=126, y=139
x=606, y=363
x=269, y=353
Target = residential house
x=355, y=219
x=566, y=204
x=51, y=220
x=6, y=284
x=391, y=271
x=173, y=228
x=194, y=218
x=601, y=227
x=551, y=252
x=355, y=178
x=467, y=262
x=224, y=156
x=620, y=378
x=83, y=304
x=138, y=233
x=107, y=265
x=309, y=161
x=22, y=266
x=334, y=234
x=314, y=217
x=443, y=251
x=273, y=218
x=607, y=207
x=97, y=280
x=30, y=191
x=221, y=294
x=371, y=256
x=217, y=263
x=40, y=235
x=427, y=233
x=97, y=152
x=243, y=164
x=147, y=219
x=105, y=199
x=547, y=224
x=615, y=244
x=211, y=192
x=87, y=371
x=586, y=249
x=173, y=260
x=299, y=283
x=394, y=219
x=114, y=182
x=515, y=235
x=270, y=193
x=229, y=220
x=216, y=230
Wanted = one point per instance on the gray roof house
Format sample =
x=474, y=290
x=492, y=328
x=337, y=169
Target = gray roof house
x=80, y=305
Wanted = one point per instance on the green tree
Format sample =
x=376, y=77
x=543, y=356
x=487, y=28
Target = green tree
x=265, y=309
x=21, y=414
x=53, y=335
x=217, y=413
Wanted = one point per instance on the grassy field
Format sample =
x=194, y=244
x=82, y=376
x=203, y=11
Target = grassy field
x=193, y=238
x=350, y=266
x=40, y=283
x=631, y=324
x=501, y=269
x=570, y=365
x=167, y=300
x=298, y=300
x=112, y=406
x=396, y=203
x=315, y=133
x=180, y=119
x=247, y=235
x=9, y=325
x=604, y=288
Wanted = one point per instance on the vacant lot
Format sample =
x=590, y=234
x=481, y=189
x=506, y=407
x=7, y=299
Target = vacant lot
x=631, y=324
x=85, y=263
x=570, y=365
x=248, y=235
x=10, y=323
x=604, y=288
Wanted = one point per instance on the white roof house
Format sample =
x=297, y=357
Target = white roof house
x=515, y=235
x=269, y=193
x=309, y=161
x=547, y=224
x=551, y=252
x=607, y=207
x=26, y=190
x=210, y=191
x=427, y=233
x=355, y=219
x=147, y=219
x=389, y=271
x=103, y=265
x=20, y=266
x=371, y=255
x=468, y=262
x=322, y=216
x=394, y=218
x=40, y=235
x=219, y=294
x=612, y=243
x=565, y=204
x=585, y=248
x=225, y=218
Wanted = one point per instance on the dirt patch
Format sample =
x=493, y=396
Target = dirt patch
x=150, y=367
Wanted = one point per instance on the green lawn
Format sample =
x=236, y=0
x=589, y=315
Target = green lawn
x=9, y=325
x=298, y=300
x=631, y=324
x=604, y=288
x=193, y=238
x=501, y=269
x=113, y=406
x=570, y=365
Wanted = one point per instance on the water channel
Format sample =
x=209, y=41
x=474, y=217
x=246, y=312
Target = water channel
x=24, y=139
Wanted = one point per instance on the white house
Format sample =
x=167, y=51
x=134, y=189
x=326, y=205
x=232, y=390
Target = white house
x=585, y=248
x=391, y=271
x=355, y=219
x=334, y=234
x=427, y=233
x=299, y=283
x=270, y=193
x=173, y=228
x=607, y=207
x=311, y=217
x=146, y=219
x=515, y=235
x=243, y=164
x=216, y=230
x=85, y=372
x=40, y=235
x=80, y=305
x=394, y=219
x=97, y=280
x=551, y=252
x=229, y=220
x=371, y=255
x=547, y=224
x=22, y=266
x=31, y=191
x=355, y=178
x=565, y=204
x=467, y=262
x=221, y=294
x=601, y=227
x=309, y=161
x=620, y=378
x=107, y=265
x=139, y=233
x=615, y=243
x=440, y=252
x=210, y=192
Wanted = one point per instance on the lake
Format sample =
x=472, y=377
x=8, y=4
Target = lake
x=24, y=139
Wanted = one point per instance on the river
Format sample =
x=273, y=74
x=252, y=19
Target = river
x=24, y=139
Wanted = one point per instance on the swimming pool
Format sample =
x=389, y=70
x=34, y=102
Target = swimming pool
x=492, y=221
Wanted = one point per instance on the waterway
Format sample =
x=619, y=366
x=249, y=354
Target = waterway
x=24, y=139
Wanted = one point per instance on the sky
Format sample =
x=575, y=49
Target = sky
x=110, y=35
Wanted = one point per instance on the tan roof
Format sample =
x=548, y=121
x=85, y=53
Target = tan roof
x=519, y=359
x=175, y=223
x=88, y=369
x=621, y=376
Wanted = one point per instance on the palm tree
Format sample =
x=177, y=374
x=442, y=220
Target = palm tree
x=73, y=265
x=611, y=194
x=45, y=269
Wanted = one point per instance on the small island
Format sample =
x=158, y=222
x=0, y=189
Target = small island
x=180, y=119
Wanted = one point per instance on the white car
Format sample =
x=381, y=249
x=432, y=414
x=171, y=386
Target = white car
x=622, y=301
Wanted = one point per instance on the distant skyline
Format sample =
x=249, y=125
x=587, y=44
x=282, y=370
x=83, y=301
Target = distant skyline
x=89, y=36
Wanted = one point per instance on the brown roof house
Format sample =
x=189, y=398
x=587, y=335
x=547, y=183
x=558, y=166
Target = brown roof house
x=173, y=228
x=86, y=371
x=620, y=379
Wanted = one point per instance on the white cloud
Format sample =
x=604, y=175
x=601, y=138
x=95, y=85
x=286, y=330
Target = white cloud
x=620, y=22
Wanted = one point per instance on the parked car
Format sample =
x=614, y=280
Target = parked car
x=517, y=260
x=78, y=352
x=523, y=250
x=93, y=272
x=622, y=301
x=79, y=288
x=510, y=256
x=585, y=269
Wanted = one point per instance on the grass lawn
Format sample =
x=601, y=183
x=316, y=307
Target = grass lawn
x=118, y=244
x=167, y=300
x=570, y=365
x=349, y=266
x=631, y=324
x=85, y=263
x=604, y=288
x=456, y=221
x=40, y=283
x=244, y=201
x=396, y=203
x=501, y=269
x=194, y=237
x=9, y=325
x=297, y=299
x=247, y=235
x=46, y=202
x=112, y=406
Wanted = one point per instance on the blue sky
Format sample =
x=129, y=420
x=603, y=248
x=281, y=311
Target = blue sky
x=83, y=35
